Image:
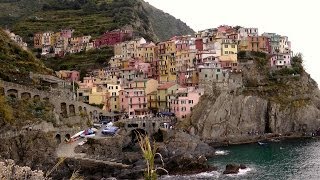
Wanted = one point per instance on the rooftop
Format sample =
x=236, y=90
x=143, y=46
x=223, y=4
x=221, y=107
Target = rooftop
x=166, y=85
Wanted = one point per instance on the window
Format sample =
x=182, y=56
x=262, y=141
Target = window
x=205, y=75
x=226, y=45
x=116, y=87
x=121, y=99
x=130, y=106
x=115, y=106
x=233, y=46
x=226, y=52
x=115, y=99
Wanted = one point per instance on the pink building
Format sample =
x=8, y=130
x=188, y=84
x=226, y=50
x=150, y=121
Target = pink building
x=111, y=38
x=144, y=69
x=134, y=102
x=88, y=82
x=184, y=101
x=280, y=61
x=66, y=33
x=182, y=78
x=68, y=75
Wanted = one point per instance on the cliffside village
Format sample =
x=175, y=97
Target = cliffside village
x=144, y=78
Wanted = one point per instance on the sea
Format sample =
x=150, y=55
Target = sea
x=297, y=159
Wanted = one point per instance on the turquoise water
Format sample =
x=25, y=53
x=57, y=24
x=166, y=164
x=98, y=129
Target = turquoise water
x=290, y=159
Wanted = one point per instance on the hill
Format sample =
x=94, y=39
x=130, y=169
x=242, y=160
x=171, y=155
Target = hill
x=16, y=63
x=93, y=17
x=283, y=101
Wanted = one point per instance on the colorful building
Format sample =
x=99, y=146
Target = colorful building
x=148, y=85
x=279, y=61
x=68, y=75
x=134, y=102
x=111, y=38
x=184, y=100
x=165, y=91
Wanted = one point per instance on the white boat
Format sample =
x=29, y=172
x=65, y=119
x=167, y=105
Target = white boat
x=90, y=135
x=262, y=143
x=77, y=134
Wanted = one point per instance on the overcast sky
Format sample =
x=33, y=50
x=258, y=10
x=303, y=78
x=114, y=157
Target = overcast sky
x=296, y=19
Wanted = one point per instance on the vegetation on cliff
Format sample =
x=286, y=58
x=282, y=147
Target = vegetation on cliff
x=92, y=59
x=18, y=113
x=16, y=63
x=288, y=87
x=89, y=17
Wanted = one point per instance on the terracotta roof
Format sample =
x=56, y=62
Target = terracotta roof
x=166, y=85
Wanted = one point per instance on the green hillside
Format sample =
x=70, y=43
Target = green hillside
x=16, y=63
x=93, y=17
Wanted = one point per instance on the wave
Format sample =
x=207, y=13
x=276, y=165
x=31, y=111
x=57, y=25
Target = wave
x=203, y=175
x=241, y=172
x=221, y=152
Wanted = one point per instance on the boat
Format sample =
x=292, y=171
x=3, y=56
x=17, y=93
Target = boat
x=110, y=130
x=275, y=140
x=262, y=143
x=77, y=134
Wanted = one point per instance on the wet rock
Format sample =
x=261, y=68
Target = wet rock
x=232, y=169
x=242, y=166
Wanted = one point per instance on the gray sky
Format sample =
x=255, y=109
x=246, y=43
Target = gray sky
x=296, y=19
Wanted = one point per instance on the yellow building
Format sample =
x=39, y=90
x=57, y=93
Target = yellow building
x=164, y=92
x=54, y=38
x=152, y=100
x=167, y=68
x=229, y=48
x=148, y=85
x=115, y=62
x=184, y=59
x=98, y=95
x=113, y=99
x=147, y=52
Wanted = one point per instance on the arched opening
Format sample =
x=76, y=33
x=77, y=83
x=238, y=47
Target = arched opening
x=158, y=136
x=13, y=93
x=95, y=115
x=135, y=134
x=58, y=138
x=2, y=91
x=80, y=109
x=25, y=96
x=64, y=111
x=36, y=98
x=72, y=111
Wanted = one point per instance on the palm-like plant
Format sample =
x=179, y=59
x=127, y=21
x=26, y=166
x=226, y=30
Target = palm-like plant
x=149, y=153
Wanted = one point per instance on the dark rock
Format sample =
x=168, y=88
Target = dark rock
x=231, y=169
x=242, y=166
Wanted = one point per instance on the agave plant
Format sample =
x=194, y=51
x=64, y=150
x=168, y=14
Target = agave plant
x=149, y=153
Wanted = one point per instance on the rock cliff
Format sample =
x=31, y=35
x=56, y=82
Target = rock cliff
x=269, y=101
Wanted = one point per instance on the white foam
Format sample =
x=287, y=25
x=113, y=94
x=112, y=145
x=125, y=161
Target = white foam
x=221, y=152
x=207, y=174
x=241, y=172
x=212, y=174
x=244, y=171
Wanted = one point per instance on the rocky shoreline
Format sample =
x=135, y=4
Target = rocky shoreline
x=182, y=154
